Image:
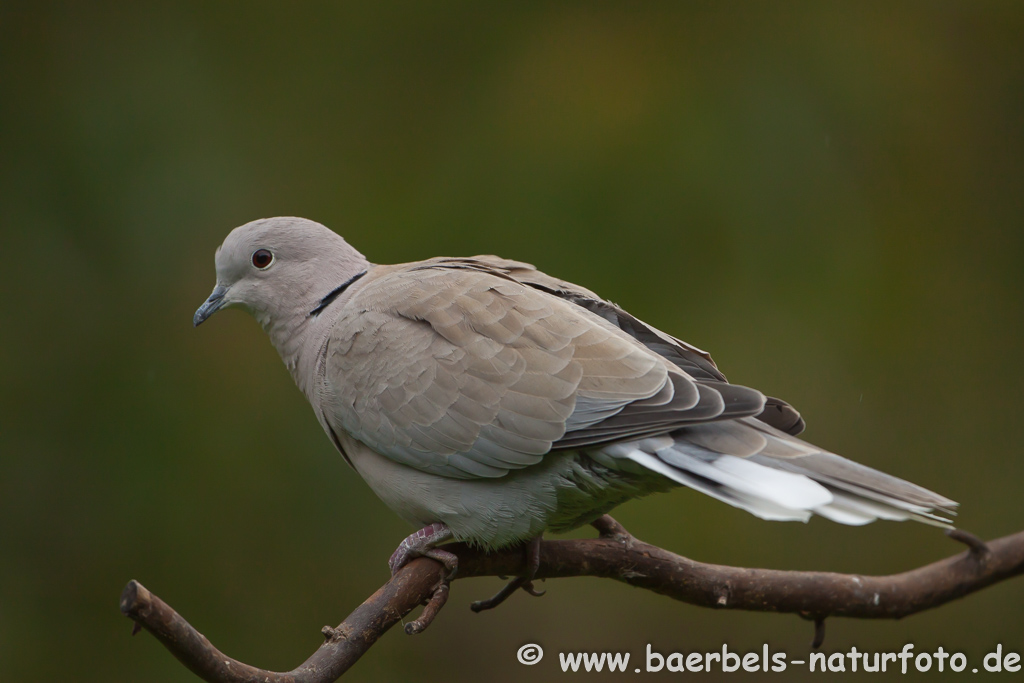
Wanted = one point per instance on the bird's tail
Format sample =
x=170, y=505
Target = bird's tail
x=753, y=466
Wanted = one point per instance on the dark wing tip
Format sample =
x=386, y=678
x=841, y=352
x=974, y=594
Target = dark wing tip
x=784, y=417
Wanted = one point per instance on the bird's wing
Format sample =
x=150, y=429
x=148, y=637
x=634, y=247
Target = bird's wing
x=454, y=367
x=696, y=363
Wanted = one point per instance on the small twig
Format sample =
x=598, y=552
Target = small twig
x=330, y=633
x=608, y=527
x=979, y=549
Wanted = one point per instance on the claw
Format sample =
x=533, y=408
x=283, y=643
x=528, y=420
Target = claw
x=422, y=544
x=449, y=560
x=525, y=582
x=434, y=606
x=499, y=597
x=532, y=590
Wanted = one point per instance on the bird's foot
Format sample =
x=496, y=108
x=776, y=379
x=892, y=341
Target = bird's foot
x=423, y=544
x=525, y=582
x=433, y=606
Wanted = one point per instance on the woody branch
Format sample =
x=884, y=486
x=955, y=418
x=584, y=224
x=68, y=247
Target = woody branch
x=614, y=555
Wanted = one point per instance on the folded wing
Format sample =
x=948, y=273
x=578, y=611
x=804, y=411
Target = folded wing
x=696, y=363
x=463, y=372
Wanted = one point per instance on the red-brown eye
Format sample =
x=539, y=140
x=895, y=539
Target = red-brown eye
x=262, y=258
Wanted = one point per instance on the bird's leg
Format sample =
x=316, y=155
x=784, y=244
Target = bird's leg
x=423, y=544
x=525, y=581
x=532, y=565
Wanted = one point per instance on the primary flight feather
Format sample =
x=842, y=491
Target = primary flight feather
x=488, y=402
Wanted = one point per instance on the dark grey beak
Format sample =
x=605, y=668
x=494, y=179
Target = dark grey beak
x=211, y=305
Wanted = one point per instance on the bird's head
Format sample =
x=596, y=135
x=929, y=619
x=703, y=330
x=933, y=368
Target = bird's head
x=276, y=268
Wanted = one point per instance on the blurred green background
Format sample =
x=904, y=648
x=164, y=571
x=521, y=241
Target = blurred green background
x=828, y=196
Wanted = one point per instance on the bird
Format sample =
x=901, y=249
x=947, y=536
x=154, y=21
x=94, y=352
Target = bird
x=485, y=401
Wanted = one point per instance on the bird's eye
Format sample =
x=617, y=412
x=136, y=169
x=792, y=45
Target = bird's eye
x=262, y=258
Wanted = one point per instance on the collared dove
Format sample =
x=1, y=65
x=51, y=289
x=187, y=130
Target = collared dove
x=488, y=402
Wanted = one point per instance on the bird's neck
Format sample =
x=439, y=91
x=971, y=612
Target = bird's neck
x=292, y=336
x=298, y=330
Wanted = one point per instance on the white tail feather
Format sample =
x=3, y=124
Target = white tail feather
x=758, y=507
x=793, y=491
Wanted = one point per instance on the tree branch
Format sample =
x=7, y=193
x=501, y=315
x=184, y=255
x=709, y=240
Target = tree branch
x=615, y=555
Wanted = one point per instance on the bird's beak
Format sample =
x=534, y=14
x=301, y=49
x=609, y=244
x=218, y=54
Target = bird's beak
x=211, y=305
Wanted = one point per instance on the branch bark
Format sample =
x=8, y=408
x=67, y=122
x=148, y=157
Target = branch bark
x=615, y=555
